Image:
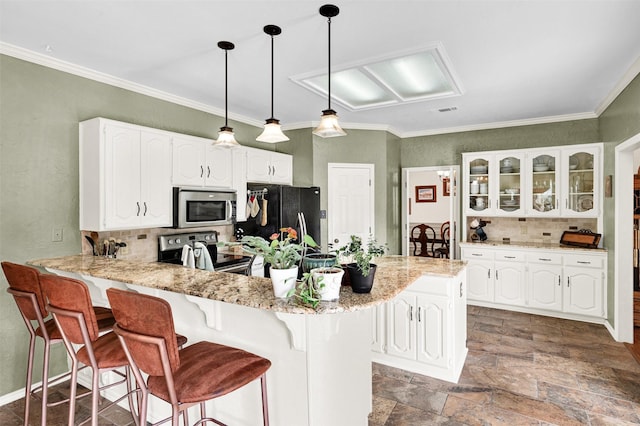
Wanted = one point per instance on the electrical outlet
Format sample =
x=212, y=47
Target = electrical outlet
x=523, y=230
x=56, y=235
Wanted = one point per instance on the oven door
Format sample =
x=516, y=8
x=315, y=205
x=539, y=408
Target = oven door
x=203, y=208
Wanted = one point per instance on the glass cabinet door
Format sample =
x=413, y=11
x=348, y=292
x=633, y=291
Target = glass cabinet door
x=580, y=181
x=544, y=183
x=509, y=183
x=479, y=184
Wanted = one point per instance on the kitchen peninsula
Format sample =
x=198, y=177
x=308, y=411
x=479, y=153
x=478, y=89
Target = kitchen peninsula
x=321, y=359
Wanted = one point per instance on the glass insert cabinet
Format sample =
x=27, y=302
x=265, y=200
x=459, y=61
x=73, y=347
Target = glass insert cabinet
x=551, y=182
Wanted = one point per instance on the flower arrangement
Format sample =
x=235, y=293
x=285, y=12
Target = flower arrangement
x=281, y=252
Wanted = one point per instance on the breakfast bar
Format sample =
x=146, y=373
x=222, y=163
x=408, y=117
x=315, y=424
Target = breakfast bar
x=321, y=358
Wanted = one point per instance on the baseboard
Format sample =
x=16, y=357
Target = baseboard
x=19, y=394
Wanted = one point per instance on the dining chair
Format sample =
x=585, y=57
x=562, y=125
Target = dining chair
x=69, y=301
x=445, y=235
x=25, y=287
x=423, y=238
x=182, y=377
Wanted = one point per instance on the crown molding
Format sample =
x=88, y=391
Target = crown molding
x=631, y=73
x=503, y=124
x=68, y=67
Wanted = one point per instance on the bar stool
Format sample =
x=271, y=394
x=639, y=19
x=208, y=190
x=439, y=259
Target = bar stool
x=24, y=286
x=69, y=302
x=186, y=377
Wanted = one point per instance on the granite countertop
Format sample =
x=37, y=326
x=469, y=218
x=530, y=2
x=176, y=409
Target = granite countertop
x=529, y=245
x=394, y=274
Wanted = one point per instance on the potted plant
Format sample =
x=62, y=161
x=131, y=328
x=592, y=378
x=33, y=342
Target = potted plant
x=307, y=292
x=360, y=269
x=283, y=254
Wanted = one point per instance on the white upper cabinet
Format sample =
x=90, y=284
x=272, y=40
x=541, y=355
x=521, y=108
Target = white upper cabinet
x=125, y=176
x=551, y=182
x=198, y=163
x=269, y=167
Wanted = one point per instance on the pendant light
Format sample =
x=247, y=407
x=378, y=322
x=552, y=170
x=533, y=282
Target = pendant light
x=272, y=132
x=225, y=136
x=329, y=127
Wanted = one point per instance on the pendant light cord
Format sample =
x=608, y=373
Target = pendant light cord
x=226, y=113
x=271, y=76
x=329, y=73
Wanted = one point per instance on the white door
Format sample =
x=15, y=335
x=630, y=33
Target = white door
x=218, y=171
x=350, y=202
x=155, y=179
x=401, y=326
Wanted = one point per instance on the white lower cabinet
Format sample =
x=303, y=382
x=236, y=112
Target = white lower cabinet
x=425, y=328
x=567, y=283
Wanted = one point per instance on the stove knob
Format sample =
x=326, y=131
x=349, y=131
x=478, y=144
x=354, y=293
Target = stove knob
x=170, y=241
x=177, y=240
x=206, y=237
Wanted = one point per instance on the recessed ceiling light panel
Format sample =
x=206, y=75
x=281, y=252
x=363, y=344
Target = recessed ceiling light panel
x=409, y=77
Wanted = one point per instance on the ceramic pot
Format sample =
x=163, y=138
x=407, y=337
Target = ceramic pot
x=360, y=283
x=332, y=280
x=283, y=281
x=318, y=260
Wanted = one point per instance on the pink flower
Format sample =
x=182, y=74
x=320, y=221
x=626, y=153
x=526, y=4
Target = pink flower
x=274, y=236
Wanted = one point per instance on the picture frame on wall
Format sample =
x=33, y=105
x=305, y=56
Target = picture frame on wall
x=426, y=194
x=446, y=187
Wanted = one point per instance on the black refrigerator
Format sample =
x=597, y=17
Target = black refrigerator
x=283, y=205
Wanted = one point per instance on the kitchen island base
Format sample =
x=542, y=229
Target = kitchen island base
x=321, y=364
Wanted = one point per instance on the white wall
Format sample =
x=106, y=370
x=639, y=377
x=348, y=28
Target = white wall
x=437, y=212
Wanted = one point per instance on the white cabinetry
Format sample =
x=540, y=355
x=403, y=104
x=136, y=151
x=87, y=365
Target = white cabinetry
x=559, y=181
x=125, y=176
x=425, y=328
x=198, y=163
x=239, y=180
x=269, y=167
x=564, y=283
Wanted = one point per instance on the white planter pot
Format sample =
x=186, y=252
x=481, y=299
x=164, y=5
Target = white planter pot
x=332, y=279
x=283, y=281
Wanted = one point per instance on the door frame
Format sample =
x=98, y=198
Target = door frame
x=622, y=327
x=454, y=204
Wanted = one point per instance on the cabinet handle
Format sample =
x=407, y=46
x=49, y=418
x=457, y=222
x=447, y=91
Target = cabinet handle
x=509, y=257
x=584, y=262
x=544, y=259
x=145, y=209
x=568, y=281
x=497, y=274
x=273, y=169
x=201, y=171
x=489, y=273
x=419, y=312
x=559, y=281
x=269, y=169
x=410, y=313
x=476, y=254
x=138, y=204
x=208, y=171
x=461, y=290
x=566, y=203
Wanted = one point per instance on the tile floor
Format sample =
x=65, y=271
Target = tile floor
x=521, y=370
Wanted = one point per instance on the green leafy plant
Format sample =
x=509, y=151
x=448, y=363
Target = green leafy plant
x=307, y=292
x=362, y=255
x=281, y=251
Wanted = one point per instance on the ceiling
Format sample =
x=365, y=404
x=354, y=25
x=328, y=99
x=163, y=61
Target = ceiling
x=517, y=62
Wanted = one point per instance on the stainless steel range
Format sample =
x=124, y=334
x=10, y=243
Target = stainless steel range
x=170, y=251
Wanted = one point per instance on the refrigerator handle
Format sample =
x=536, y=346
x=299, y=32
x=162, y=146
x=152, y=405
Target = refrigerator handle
x=303, y=231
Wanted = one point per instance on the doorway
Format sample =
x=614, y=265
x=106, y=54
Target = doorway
x=436, y=182
x=623, y=246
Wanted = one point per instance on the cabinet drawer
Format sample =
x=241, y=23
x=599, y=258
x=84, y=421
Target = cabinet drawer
x=510, y=256
x=584, y=261
x=477, y=254
x=432, y=285
x=545, y=258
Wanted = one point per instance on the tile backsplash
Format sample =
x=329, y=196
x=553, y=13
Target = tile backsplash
x=536, y=230
x=142, y=244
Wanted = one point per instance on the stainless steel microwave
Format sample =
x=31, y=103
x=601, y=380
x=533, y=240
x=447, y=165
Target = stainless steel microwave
x=198, y=207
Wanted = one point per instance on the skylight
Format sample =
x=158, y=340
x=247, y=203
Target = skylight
x=411, y=77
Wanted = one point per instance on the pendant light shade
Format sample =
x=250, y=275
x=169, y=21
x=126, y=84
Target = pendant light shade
x=329, y=127
x=225, y=136
x=272, y=132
